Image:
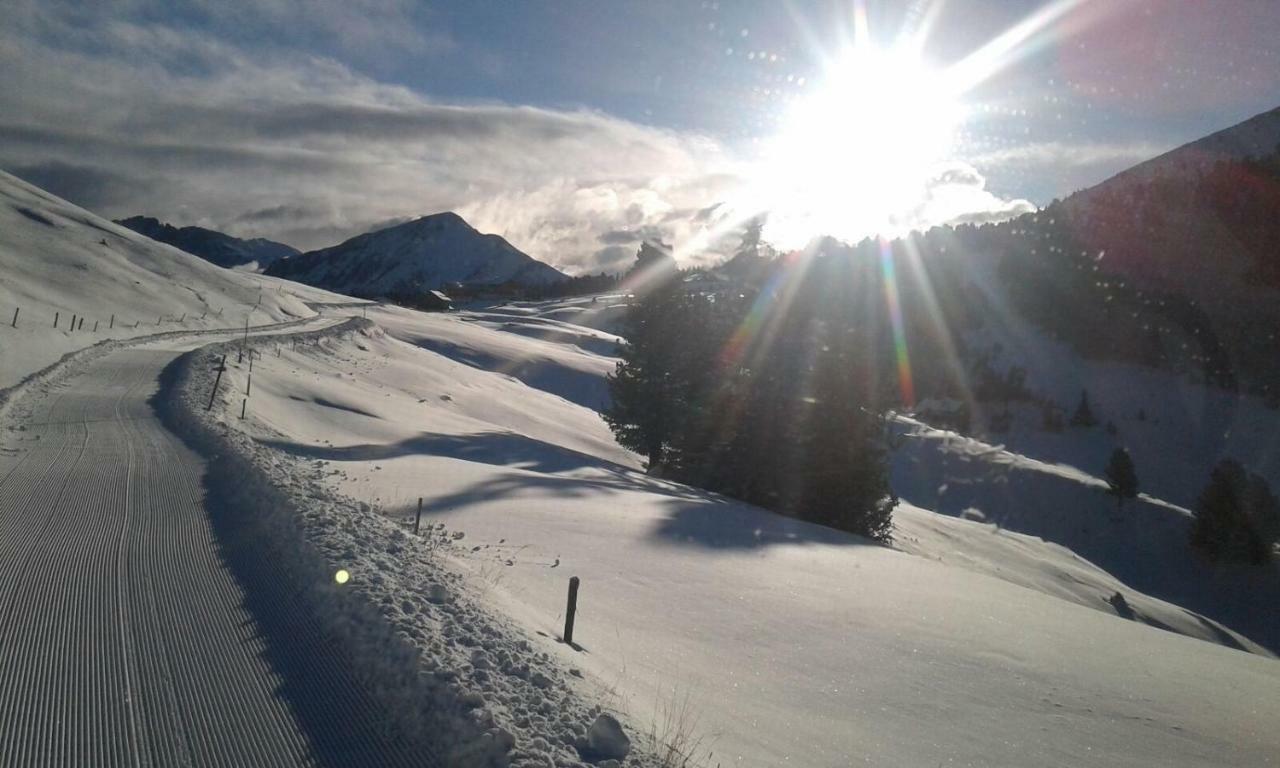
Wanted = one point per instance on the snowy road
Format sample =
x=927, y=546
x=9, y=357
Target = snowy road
x=132, y=632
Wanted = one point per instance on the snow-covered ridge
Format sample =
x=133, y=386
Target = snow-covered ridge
x=430, y=252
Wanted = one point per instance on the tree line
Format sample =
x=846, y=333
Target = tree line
x=768, y=388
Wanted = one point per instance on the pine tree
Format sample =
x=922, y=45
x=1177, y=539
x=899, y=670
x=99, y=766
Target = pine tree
x=1083, y=417
x=645, y=408
x=843, y=466
x=1237, y=518
x=1122, y=478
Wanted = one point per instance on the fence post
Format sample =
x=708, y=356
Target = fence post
x=73, y=321
x=55, y=319
x=81, y=328
x=248, y=382
x=95, y=326
x=571, y=610
x=417, y=521
x=15, y=317
x=222, y=366
x=113, y=322
x=243, y=404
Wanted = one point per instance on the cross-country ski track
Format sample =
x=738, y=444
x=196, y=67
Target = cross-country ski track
x=131, y=632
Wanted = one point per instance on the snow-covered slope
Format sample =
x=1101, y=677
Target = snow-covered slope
x=213, y=246
x=772, y=640
x=427, y=253
x=59, y=261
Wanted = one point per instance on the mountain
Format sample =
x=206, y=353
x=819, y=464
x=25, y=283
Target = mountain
x=1199, y=224
x=434, y=251
x=217, y=247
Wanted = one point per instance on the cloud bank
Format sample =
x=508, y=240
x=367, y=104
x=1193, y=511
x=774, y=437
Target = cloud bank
x=196, y=123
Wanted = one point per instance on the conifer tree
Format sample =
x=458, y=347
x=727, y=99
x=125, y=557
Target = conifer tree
x=1122, y=478
x=1083, y=417
x=1237, y=518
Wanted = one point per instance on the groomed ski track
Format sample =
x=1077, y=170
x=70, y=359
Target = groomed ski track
x=130, y=633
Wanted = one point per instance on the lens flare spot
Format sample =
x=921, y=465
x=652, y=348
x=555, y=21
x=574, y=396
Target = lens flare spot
x=342, y=576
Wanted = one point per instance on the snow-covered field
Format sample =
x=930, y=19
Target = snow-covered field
x=774, y=641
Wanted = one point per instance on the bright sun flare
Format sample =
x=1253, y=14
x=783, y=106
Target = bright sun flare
x=855, y=155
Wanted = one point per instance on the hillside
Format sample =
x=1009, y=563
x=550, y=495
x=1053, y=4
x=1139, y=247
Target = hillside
x=432, y=252
x=1199, y=223
x=59, y=261
x=212, y=246
x=767, y=639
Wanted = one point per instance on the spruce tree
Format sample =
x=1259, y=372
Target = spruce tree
x=1122, y=478
x=1236, y=516
x=1083, y=417
x=645, y=410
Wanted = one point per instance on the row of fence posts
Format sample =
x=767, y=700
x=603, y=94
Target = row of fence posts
x=77, y=320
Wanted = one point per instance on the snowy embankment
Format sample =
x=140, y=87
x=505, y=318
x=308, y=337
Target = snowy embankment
x=772, y=640
x=467, y=686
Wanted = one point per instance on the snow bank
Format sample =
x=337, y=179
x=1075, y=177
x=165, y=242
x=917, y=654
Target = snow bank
x=466, y=685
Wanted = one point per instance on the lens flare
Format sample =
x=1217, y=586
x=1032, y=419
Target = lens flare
x=905, y=384
x=342, y=576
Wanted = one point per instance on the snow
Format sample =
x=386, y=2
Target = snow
x=969, y=644
x=991, y=633
x=58, y=258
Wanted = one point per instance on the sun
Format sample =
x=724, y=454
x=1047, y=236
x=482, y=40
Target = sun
x=854, y=155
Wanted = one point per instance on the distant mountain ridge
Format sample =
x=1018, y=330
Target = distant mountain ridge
x=213, y=246
x=431, y=252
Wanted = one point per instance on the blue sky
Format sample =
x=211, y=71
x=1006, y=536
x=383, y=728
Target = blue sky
x=570, y=127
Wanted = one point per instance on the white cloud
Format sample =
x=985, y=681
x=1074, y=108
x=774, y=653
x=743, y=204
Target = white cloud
x=129, y=117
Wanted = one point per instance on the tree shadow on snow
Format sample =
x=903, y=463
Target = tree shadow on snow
x=726, y=524
x=600, y=485
x=503, y=449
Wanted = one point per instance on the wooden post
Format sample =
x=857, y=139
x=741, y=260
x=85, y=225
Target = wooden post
x=251, y=362
x=15, y=317
x=112, y=324
x=95, y=326
x=571, y=610
x=55, y=319
x=417, y=521
x=243, y=404
x=222, y=366
x=81, y=328
x=159, y=318
x=73, y=321
x=249, y=381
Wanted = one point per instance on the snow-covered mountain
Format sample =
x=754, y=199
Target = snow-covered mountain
x=434, y=251
x=218, y=247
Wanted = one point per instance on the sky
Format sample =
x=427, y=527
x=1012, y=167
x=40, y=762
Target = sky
x=576, y=129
